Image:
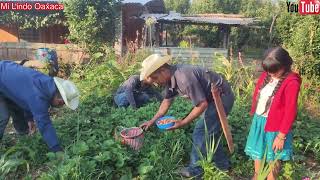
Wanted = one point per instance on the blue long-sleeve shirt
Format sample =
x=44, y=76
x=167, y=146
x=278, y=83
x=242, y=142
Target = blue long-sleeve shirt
x=32, y=91
x=129, y=86
x=134, y=85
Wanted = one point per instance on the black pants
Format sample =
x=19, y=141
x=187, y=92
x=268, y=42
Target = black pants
x=10, y=109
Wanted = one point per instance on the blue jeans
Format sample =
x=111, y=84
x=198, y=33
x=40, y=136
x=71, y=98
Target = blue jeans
x=212, y=121
x=7, y=109
x=122, y=101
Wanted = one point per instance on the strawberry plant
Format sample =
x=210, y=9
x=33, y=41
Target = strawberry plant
x=91, y=151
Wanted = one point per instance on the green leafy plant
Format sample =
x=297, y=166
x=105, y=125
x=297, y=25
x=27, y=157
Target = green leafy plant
x=92, y=23
x=184, y=44
x=210, y=172
x=91, y=152
x=266, y=168
x=14, y=159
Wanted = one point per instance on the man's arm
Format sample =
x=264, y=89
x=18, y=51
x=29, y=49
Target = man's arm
x=195, y=113
x=47, y=131
x=196, y=93
x=129, y=86
x=163, y=109
x=130, y=97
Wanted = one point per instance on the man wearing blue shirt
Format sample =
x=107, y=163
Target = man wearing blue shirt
x=26, y=95
x=135, y=93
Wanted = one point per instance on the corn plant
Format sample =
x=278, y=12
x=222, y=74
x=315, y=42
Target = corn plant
x=13, y=159
x=210, y=172
x=240, y=77
x=266, y=168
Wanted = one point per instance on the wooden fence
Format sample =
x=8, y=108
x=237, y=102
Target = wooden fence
x=67, y=53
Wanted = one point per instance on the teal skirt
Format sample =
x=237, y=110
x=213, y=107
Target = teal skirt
x=259, y=142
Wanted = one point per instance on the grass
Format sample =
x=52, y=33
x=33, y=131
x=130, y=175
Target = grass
x=210, y=171
x=92, y=152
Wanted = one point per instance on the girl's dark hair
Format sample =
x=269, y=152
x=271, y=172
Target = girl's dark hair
x=275, y=59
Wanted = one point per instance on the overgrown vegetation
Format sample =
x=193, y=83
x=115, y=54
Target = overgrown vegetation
x=91, y=151
x=31, y=19
x=92, y=23
x=275, y=26
x=301, y=35
x=87, y=135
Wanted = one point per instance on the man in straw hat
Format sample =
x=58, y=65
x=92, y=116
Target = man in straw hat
x=26, y=95
x=193, y=83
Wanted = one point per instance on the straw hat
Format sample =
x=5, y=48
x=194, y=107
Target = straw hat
x=69, y=92
x=151, y=64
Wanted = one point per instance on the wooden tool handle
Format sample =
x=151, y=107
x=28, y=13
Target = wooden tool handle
x=223, y=117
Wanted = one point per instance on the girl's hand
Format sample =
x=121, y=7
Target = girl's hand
x=177, y=124
x=278, y=143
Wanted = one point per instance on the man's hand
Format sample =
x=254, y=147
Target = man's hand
x=165, y=104
x=177, y=124
x=145, y=126
x=32, y=127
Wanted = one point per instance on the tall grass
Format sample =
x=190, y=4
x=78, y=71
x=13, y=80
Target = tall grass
x=14, y=159
x=210, y=171
x=266, y=168
x=105, y=74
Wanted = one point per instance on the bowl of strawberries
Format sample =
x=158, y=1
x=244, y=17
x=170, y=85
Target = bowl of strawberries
x=165, y=122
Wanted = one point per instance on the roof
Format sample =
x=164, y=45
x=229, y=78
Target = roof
x=143, y=2
x=229, y=19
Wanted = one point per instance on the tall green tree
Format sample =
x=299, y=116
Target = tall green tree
x=215, y=6
x=180, y=6
x=301, y=36
x=262, y=37
x=31, y=19
x=92, y=23
x=211, y=36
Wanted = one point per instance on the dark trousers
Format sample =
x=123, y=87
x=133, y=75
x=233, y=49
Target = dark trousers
x=10, y=109
x=140, y=99
x=211, y=119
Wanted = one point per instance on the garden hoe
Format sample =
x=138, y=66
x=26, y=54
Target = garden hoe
x=222, y=116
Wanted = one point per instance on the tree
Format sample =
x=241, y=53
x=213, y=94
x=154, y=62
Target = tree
x=262, y=36
x=180, y=6
x=92, y=23
x=210, y=36
x=31, y=19
x=301, y=36
x=215, y=6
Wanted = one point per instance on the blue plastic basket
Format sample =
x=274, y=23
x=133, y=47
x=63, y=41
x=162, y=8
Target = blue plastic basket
x=165, y=126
